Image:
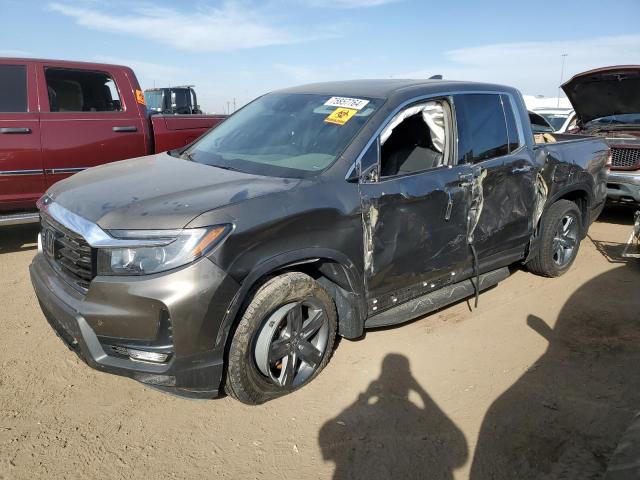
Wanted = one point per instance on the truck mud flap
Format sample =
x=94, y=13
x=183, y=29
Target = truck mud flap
x=433, y=301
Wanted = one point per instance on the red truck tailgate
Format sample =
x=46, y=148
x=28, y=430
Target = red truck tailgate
x=173, y=131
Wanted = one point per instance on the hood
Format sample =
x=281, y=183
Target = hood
x=157, y=192
x=605, y=91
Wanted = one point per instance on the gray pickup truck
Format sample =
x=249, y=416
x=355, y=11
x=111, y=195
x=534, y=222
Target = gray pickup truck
x=316, y=211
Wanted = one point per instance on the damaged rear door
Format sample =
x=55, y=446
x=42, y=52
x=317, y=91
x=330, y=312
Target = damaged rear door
x=491, y=139
x=415, y=203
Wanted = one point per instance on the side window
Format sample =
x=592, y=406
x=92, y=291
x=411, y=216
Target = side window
x=13, y=88
x=415, y=140
x=481, y=127
x=81, y=91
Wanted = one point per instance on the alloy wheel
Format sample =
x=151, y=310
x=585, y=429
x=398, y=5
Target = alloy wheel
x=565, y=240
x=292, y=342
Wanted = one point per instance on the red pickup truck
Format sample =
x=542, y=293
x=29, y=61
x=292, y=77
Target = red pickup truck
x=61, y=117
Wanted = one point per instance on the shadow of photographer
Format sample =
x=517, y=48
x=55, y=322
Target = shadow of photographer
x=564, y=417
x=384, y=434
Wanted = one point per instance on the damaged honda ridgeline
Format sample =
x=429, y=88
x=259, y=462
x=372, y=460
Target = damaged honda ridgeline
x=316, y=211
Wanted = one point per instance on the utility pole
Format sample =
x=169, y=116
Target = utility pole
x=234, y=104
x=564, y=56
x=228, y=107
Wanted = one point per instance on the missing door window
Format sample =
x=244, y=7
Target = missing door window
x=415, y=140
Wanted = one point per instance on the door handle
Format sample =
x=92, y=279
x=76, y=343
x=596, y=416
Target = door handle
x=521, y=169
x=15, y=130
x=130, y=128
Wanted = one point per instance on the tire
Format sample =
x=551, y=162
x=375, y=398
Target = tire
x=280, y=319
x=556, y=237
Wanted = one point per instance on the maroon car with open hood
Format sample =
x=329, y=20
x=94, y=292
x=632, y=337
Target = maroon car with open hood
x=607, y=104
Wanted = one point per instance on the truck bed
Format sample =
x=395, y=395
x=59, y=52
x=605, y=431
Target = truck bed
x=542, y=138
x=573, y=160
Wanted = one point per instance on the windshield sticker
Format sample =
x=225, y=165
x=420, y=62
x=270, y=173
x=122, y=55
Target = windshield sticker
x=353, y=103
x=340, y=116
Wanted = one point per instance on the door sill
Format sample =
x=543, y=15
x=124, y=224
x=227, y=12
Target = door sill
x=434, y=300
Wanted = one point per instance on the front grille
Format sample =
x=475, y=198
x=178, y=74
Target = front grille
x=625, y=158
x=68, y=251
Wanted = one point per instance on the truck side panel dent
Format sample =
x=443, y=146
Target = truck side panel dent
x=414, y=230
x=477, y=204
x=370, y=219
x=542, y=192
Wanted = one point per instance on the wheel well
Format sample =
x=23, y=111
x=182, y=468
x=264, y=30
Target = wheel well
x=581, y=199
x=334, y=277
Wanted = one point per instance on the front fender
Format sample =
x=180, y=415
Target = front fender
x=286, y=260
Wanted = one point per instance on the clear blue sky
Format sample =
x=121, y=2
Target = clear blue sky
x=244, y=48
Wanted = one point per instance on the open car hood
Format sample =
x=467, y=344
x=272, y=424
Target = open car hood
x=604, y=91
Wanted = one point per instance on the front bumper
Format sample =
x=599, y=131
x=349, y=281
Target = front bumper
x=623, y=186
x=182, y=310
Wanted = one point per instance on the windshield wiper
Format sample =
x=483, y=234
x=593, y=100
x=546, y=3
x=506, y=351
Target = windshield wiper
x=613, y=126
x=210, y=159
x=227, y=167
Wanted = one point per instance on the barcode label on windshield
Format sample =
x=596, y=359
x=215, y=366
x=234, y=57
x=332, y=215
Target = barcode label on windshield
x=345, y=102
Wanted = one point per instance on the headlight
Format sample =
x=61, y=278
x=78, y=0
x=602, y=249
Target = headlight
x=167, y=249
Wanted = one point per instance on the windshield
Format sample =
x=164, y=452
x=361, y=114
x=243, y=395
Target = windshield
x=153, y=99
x=615, y=120
x=285, y=134
x=555, y=120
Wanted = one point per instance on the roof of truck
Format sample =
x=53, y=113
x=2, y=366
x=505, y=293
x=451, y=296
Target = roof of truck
x=386, y=88
x=64, y=63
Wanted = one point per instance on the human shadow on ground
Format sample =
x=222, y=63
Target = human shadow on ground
x=18, y=238
x=564, y=417
x=385, y=435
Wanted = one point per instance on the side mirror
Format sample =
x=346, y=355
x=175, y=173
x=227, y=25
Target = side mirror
x=370, y=175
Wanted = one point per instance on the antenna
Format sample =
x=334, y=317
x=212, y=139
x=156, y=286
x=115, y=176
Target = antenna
x=564, y=56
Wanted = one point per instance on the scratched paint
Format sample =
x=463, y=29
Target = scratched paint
x=477, y=204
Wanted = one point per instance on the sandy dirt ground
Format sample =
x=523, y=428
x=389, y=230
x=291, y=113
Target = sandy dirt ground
x=539, y=382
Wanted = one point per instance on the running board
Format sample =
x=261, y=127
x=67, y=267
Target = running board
x=19, y=218
x=434, y=300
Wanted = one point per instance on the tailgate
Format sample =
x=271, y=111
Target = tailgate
x=176, y=131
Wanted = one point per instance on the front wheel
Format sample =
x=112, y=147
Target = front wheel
x=284, y=339
x=559, y=240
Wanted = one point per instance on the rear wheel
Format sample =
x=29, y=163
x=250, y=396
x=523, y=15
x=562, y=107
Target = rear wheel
x=559, y=240
x=284, y=339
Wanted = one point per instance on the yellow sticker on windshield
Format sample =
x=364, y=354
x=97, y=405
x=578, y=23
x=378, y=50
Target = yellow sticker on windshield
x=340, y=116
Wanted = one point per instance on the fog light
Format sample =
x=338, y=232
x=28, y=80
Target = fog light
x=141, y=355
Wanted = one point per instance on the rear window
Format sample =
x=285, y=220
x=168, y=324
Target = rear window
x=13, y=88
x=481, y=126
x=81, y=91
